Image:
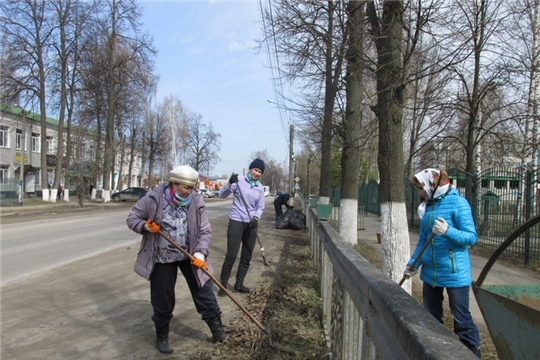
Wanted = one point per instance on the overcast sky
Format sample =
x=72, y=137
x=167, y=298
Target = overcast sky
x=207, y=57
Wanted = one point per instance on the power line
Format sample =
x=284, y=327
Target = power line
x=278, y=94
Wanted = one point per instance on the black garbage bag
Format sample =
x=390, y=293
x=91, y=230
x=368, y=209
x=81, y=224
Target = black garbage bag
x=282, y=222
x=297, y=221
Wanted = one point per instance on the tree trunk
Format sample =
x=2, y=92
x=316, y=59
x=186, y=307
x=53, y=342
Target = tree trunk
x=348, y=217
x=329, y=100
x=389, y=110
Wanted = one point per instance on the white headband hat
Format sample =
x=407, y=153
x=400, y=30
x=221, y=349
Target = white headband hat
x=184, y=175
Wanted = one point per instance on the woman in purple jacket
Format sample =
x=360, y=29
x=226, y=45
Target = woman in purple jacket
x=243, y=221
x=181, y=213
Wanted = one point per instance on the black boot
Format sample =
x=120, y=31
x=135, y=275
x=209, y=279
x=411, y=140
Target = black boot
x=242, y=289
x=162, y=339
x=222, y=293
x=215, y=325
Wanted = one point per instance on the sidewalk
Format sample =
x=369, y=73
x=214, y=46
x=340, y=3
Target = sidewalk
x=33, y=204
x=502, y=273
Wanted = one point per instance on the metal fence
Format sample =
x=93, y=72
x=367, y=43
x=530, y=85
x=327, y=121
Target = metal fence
x=10, y=192
x=366, y=315
x=501, y=199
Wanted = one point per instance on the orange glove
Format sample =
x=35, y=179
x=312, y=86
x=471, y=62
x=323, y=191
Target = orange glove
x=152, y=226
x=198, y=261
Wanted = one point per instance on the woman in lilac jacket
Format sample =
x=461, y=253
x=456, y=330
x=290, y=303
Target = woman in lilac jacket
x=181, y=213
x=243, y=222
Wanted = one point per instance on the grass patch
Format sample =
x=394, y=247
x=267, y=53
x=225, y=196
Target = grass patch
x=291, y=309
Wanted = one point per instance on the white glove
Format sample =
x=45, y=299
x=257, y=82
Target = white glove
x=409, y=272
x=198, y=255
x=440, y=226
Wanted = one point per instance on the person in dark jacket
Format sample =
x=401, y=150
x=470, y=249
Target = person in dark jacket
x=445, y=263
x=179, y=212
x=281, y=200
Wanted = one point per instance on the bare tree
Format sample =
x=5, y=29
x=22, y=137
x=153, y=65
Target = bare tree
x=71, y=17
x=475, y=25
x=424, y=115
x=27, y=33
x=176, y=115
x=350, y=129
x=155, y=135
x=203, y=144
x=310, y=35
x=124, y=47
x=523, y=44
x=387, y=32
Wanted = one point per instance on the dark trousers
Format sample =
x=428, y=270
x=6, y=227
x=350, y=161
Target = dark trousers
x=458, y=298
x=238, y=233
x=278, y=209
x=162, y=296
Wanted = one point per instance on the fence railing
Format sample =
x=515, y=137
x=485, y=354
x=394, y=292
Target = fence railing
x=366, y=315
x=10, y=192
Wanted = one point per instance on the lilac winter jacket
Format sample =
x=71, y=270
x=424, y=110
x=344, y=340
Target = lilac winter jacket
x=253, y=195
x=199, y=230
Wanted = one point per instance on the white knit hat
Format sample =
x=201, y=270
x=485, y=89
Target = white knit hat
x=184, y=175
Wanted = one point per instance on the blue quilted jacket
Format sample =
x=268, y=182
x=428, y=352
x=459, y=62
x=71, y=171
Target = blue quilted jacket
x=446, y=262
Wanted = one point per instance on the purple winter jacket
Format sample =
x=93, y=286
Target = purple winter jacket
x=199, y=230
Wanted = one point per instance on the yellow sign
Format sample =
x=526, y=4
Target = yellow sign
x=18, y=158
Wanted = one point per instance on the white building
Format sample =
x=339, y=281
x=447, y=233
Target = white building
x=20, y=151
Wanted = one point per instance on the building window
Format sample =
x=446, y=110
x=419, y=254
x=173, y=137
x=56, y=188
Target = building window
x=50, y=148
x=4, y=131
x=3, y=173
x=18, y=139
x=35, y=142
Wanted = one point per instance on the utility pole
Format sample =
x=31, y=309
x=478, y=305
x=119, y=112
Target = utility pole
x=308, y=176
x=291, y=158
x=22, y=162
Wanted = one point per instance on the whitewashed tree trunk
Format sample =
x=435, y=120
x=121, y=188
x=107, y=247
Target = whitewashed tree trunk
x=348, y=220
x=395, y=241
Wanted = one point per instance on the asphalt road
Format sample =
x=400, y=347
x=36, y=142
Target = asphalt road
x=36, y=242
x=98, y=308
x=40, y=244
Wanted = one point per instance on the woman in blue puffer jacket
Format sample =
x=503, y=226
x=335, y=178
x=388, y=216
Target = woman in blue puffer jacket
x=445, y=263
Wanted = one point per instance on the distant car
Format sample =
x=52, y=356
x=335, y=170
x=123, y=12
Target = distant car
x=207, y=194
x=129, y=194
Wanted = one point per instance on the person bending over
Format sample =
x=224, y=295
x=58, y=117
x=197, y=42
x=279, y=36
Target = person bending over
x=281, y=200
x=181, y=213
